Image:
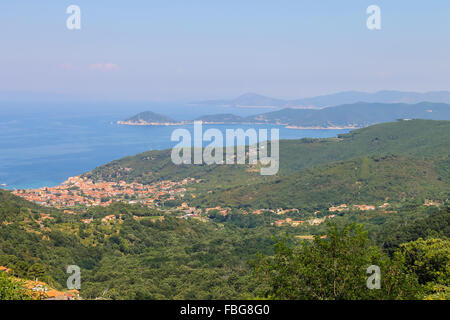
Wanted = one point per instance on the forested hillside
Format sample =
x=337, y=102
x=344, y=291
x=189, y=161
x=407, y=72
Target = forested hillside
x=149, y=117
x=403, y=160
x=171, y=258
x=362, y=180
x=377, y=195
x=138, y=258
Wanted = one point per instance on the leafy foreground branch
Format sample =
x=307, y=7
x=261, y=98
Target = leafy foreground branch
x=336, y=268
x=12, y=288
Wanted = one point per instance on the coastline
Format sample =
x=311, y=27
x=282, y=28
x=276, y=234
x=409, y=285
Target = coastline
x=321, y=128
x=75, y=152
x=143, y=123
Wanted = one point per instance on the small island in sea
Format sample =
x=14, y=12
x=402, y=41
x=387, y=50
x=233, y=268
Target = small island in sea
x=149, y=118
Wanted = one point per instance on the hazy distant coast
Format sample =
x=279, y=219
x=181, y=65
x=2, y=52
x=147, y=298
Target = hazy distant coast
x=145, y=123
x=321, y=128
x=347, y=116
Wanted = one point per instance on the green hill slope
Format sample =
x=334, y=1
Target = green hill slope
x=370, y=180
x=145, y=259
x=359, y=114
x=138, y=257
x=418, y=139
x=149, y=117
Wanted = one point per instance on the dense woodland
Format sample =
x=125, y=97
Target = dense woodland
x=153, y=253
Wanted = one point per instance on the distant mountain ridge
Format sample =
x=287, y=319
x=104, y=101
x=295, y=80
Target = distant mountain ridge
x=346, y=97
x=247, y=100
x=224, y=118
x=355, y=115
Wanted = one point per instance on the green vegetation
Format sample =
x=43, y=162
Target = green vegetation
x=390, y=177
x=34, y=250
x=150, y=117
x=222, y=118
x=429, y=260
x=434, y=225
x=134, y=259
x=176, y=258
x=333, y=268
x=416, y=140
x=12, y=289
x=155, y=253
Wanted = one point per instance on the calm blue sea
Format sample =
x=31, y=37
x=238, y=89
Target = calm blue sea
x=44, y=144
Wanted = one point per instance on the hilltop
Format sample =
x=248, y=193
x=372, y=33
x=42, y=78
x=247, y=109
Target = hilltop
x=148, y=118
x=354, y=115
x=365, y=180
x=334, y=99
x=417, y=138
x=221, y=118
x=404, y=161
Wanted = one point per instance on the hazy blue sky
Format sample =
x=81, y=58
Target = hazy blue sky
x=190, y=49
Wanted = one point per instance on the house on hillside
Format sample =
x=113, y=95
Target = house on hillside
x=109, y=218
x=4, y=269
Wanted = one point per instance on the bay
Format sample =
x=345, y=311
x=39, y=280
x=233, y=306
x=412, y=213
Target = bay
x=44, y=144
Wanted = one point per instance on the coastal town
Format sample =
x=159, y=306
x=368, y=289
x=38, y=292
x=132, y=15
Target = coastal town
x=80, y=191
